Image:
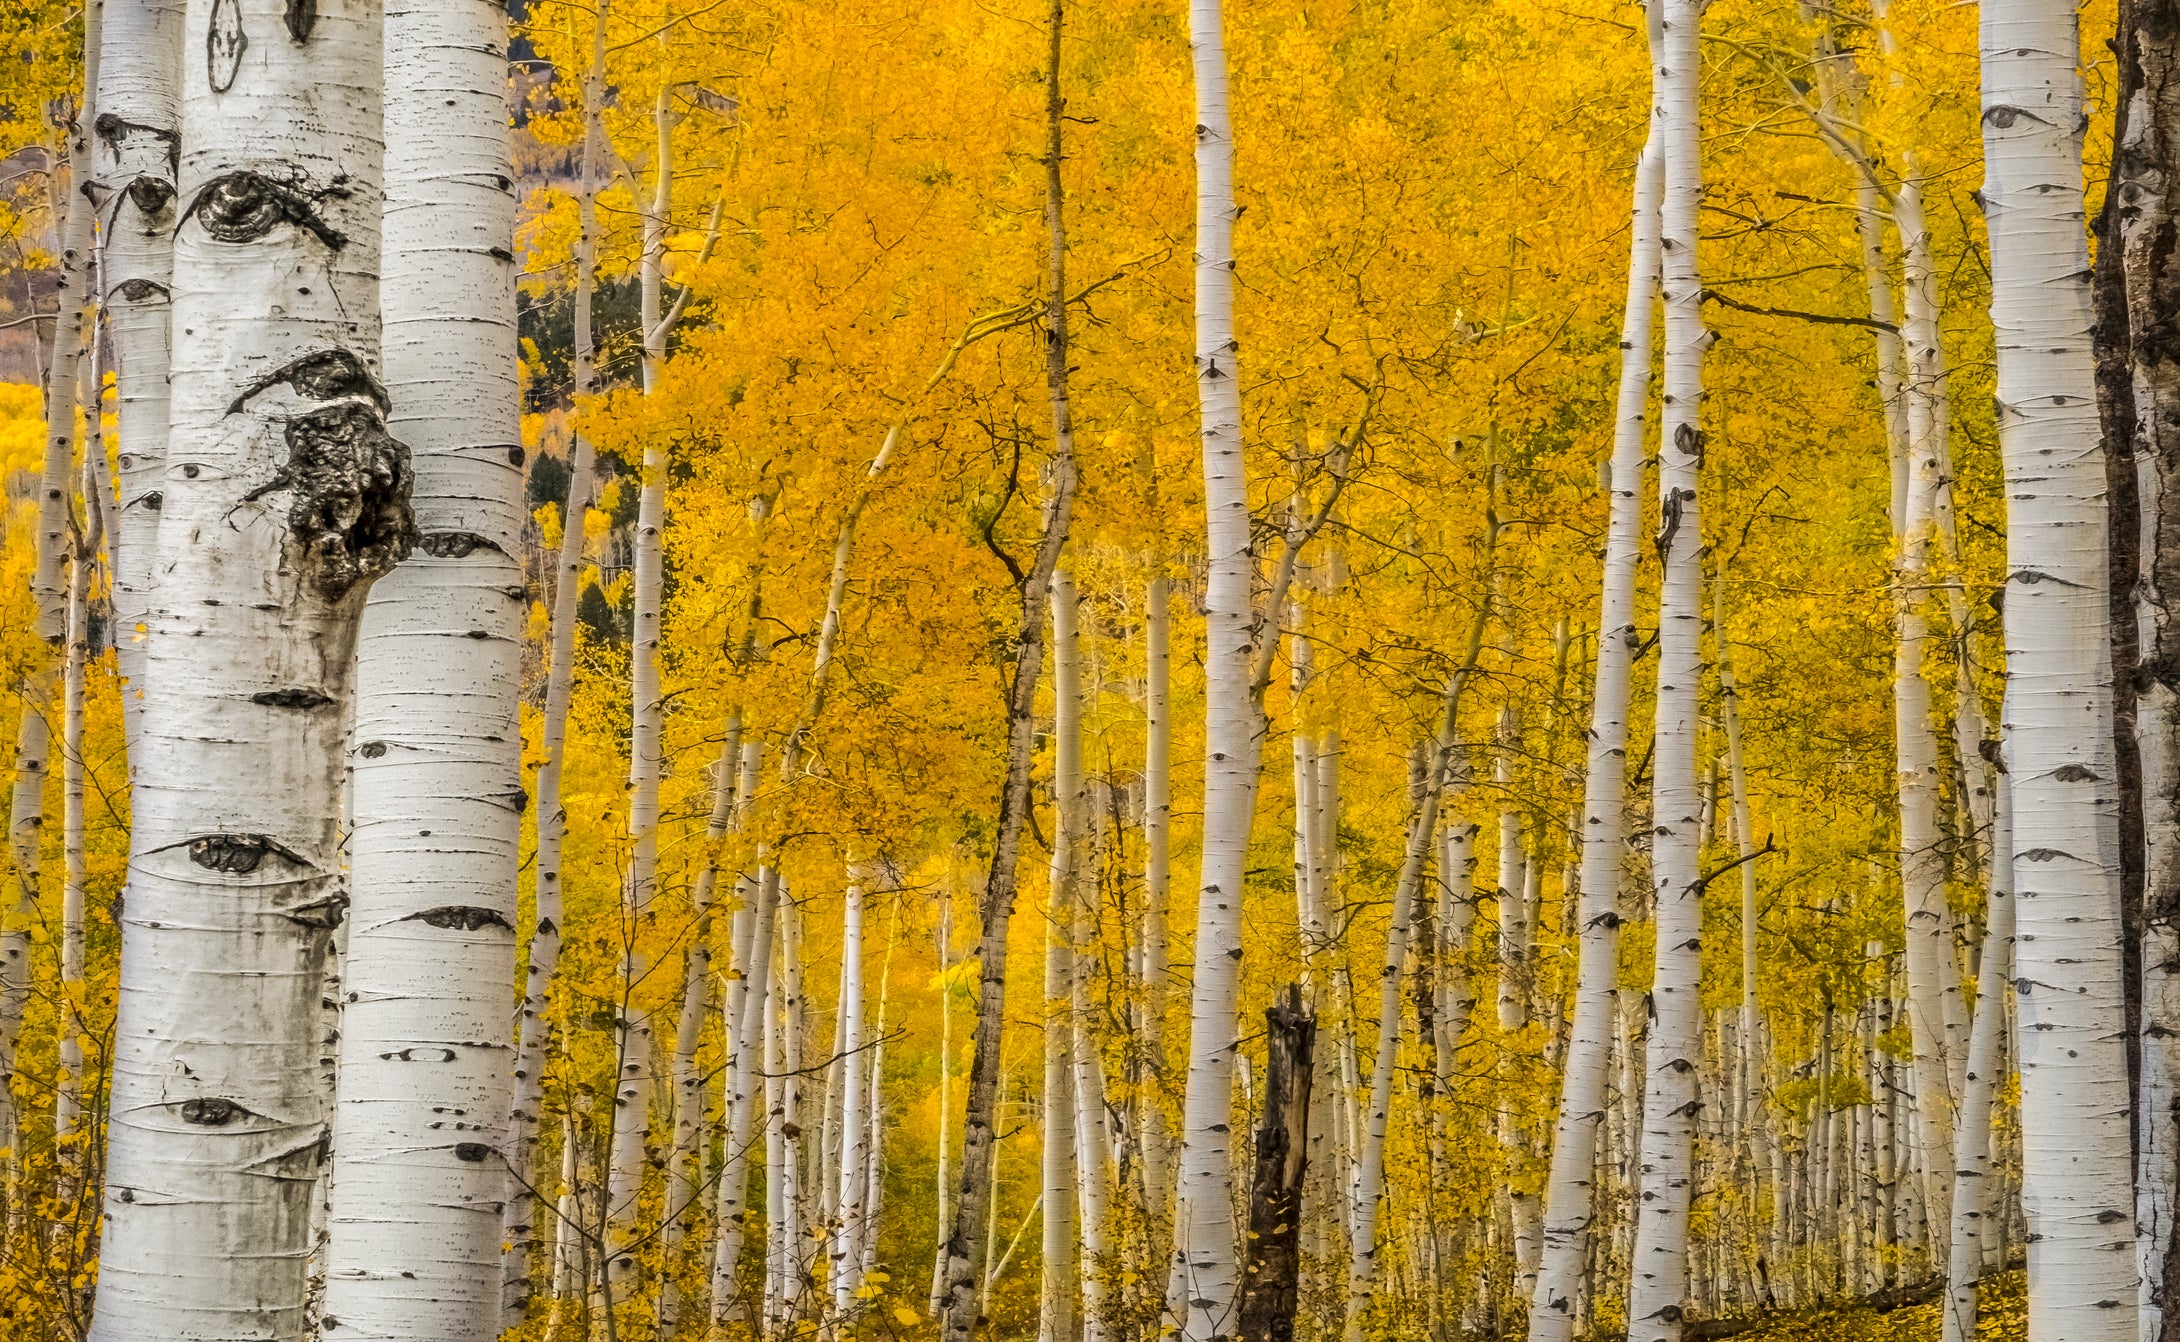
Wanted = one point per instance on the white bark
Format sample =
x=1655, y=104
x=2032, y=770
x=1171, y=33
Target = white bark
x=1975, y=1175
x=518, y=1222
x=1933, y=979
x=942, y=1195
x=138, y=143
x=728, y=1303
x=847, y=1261
x=1157, y=827
x=1200, y=1298
x=2074, y=1087
x=1056, y=1321
x=1660, y=1264
x=1513, y=990
x=69, y=1023
x=1569, y=1209
x=283, y=498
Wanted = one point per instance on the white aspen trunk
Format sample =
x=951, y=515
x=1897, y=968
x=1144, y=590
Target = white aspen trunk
x=518, y=1229
x=728, y=1302
x=68, y=1015
x=1513, y=883
x=1062, y=1281
x=1456, y=921
x=1570, y=1199
x=1933, y=979
x=1323, y=1194
x=847, y=1262
x=874, y=1122
x=437, y=783
x=1157, y=883
x=779, y=1248
x=634, y=1029
x=138, y=140
x=1753, y=1033
x=799, y=1249
x=283, y=498
x=1974, y=1175
x=943, y=1193
x=72, y=323
x=1659, y=1289
x=567, y=1263
x=2074, y=1084
x=682, y=1168
x=1057, y=1291
x=829, y=1115
x=1200, y=1298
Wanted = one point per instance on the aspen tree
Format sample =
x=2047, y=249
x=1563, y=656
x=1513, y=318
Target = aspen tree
x=437, y=778
x=1076, y=891
x=1570, y=1202
x=2142, y=203
x=689, y=1087
x=2058, y=751
x=137, y=146
x=69, y=1023
x=543, y=959
x=965, y=1287
x=283, y=498
x=1157, y=832
x=1200, y=1299
x=1059, y=1293
x=1974, y=1174
x=847, y=1262
x=1659, y=1268
x=943, y=946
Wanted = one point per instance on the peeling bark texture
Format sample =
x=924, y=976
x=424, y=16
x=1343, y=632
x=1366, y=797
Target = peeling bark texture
x=1272, y=1270
x=2139, y=356
x=1659, y=1265
x=1200, y=1296
x=283, y=497
x=2059, y=708
x=136, y=151
x=421, y=1121
x=1570, y=1198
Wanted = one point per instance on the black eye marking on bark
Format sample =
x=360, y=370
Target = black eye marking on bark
x=237, y=853
x=453, y=544
x=466, y=917
x=321, y=375
x=471, y=1152
x=139, y=290
x=151, y=195
x=224, y=43
x=302, y=16
x=351, y=484
x=372, y=750
x=154, y=501
x=294, y=697
x=325, y=913
x=245, y=206
x=514, y=454
x=212, y=1112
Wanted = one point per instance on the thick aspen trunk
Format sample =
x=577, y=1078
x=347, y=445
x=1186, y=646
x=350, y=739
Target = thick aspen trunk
x=437, y=791
x=728, y=1302
x=1659, y=1270
x=2059, y=747
x=283, y=499
x=1570, y=1202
